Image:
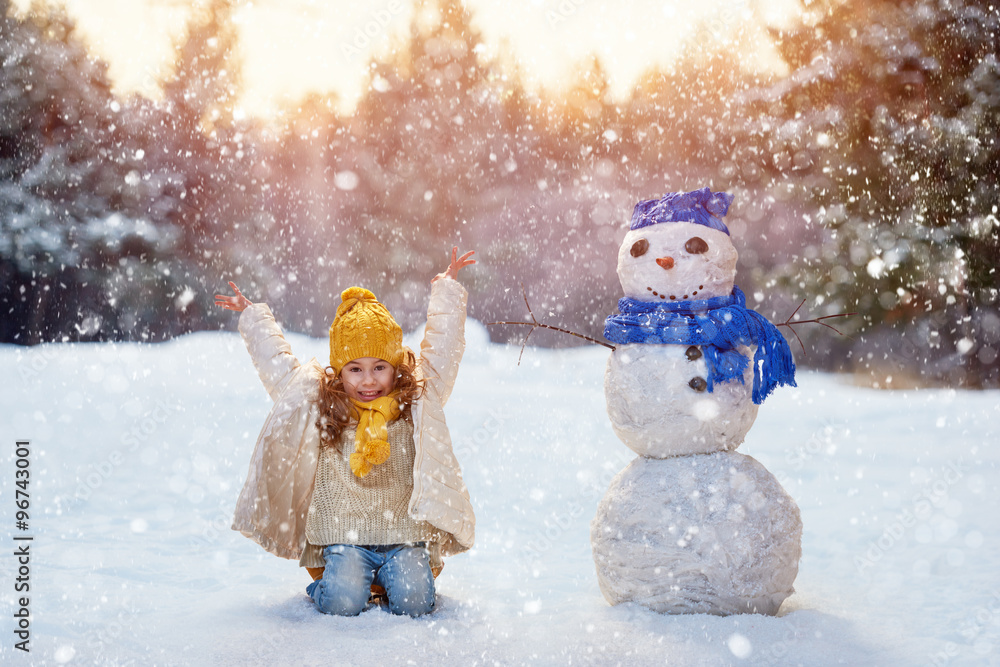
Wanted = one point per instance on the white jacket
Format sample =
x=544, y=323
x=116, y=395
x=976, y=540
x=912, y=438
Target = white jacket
x=273, y=505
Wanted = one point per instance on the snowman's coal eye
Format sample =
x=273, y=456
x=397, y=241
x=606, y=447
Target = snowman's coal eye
x=698, y=384
x=693, y=353
x=639, y=248
x=696, y=245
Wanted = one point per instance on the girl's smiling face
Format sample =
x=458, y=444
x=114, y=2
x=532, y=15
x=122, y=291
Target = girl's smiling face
x=368, y=378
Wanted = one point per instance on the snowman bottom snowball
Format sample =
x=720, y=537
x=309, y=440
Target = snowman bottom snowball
x=711, y=533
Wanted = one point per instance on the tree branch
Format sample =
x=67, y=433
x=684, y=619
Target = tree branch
x=818, y=320
x=535, y=324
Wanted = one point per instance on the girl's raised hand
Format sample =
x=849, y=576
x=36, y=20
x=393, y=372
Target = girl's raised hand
x=456, y=264
x=238, y=303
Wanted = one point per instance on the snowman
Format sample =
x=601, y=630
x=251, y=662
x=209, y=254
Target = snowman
x=691, y=525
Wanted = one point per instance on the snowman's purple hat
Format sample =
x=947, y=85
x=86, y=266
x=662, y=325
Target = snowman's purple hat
x=702, y=207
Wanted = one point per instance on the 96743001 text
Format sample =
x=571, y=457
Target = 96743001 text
x=22, y=549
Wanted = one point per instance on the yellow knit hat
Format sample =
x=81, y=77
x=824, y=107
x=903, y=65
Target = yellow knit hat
x=363, y=327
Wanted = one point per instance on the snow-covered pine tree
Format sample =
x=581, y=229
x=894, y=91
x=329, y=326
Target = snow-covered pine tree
x=887, y=127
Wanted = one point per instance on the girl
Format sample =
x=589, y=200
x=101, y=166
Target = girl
x=353, y=472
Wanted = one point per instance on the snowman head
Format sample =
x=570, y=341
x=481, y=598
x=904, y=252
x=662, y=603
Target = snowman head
x=678, y=249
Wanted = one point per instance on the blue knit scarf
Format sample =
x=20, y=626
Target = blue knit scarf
x=719, y=325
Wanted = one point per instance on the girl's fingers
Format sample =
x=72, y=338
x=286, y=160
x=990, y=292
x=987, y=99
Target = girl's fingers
x=227, y=302
x=463, y=261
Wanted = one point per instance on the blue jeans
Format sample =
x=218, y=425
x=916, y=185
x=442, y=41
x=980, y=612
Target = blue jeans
x=403, y=570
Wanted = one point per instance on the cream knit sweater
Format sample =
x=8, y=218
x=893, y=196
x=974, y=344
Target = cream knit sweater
x=347, y=509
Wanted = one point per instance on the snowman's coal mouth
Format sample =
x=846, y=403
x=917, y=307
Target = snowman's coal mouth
x=673, y=297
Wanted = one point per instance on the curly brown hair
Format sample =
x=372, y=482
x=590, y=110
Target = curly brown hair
x=335, y=406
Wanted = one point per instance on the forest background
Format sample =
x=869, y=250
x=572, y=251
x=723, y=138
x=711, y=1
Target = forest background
x=865, y=175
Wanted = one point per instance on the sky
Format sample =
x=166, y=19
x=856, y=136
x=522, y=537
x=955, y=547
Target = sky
x=289, y=47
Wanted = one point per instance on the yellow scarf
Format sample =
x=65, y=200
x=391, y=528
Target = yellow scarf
x=371, y=444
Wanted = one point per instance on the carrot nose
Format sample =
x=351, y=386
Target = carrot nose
x=665, y=262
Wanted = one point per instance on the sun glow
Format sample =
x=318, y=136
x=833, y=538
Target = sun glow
x=289, y=48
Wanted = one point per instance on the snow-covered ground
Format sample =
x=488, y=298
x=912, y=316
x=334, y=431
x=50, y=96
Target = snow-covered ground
x=138, y=453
